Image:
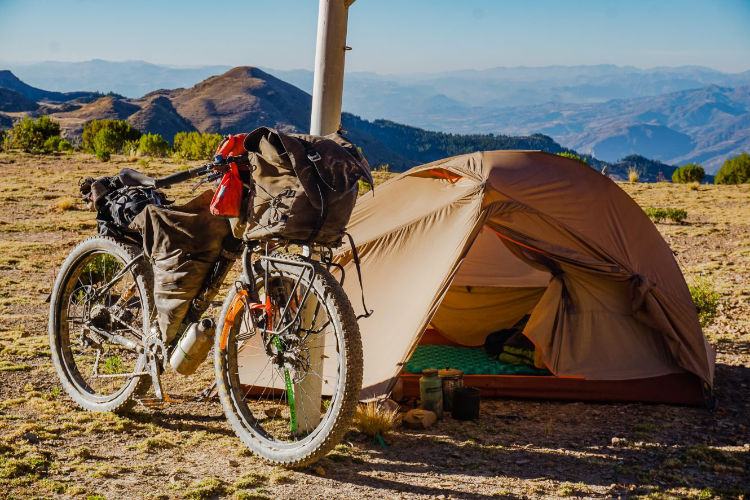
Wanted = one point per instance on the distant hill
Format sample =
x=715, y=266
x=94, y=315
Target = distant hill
x=9, y=81
x=704, y=125
x=128, y=78
x=158, y=116
x=403, y=147
x=12, y=101
x=244, y=98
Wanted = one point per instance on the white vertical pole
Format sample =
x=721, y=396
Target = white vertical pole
x=328, y=83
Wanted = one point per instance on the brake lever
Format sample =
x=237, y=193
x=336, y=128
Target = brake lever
x=208, y=178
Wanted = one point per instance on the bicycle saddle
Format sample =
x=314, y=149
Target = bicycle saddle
x=133, y=178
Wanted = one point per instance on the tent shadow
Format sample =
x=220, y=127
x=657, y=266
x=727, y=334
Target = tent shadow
x=610, y=447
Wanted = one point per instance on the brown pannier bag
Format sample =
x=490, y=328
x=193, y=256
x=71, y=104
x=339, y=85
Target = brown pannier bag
x=305, y=186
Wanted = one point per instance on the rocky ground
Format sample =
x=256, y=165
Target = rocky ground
x=518, y=448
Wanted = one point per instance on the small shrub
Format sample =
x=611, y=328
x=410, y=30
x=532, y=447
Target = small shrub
x=119, y=133
x=7, y=140
x=735, y=170
x=656, y=214
x=371, y=420
x=195, y=145
x=154, y=145
x=572, y=156
x=53, y=144
x=677, y=215
x=3, y=135
x=130, y=148
x=65, y=146
x=633, y=175
x=31, y=135
x=692, y=172
x=706, y=299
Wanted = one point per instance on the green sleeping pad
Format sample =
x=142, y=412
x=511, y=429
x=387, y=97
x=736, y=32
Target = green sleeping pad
x=470, y=360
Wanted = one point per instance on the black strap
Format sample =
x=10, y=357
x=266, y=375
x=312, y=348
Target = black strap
x=355, y=256
x=323, y=214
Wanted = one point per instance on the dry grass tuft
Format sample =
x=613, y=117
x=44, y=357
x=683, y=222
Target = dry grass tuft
x=65, y=204
x=633, y=175
x=371, y=420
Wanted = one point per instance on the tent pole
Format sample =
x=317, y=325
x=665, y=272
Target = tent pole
x=328, y=83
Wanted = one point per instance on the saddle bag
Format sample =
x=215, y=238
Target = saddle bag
x=305, y=186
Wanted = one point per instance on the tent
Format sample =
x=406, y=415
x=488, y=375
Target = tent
x=472, y=243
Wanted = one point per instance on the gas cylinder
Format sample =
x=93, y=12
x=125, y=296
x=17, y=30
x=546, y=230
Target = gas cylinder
x=193, y=347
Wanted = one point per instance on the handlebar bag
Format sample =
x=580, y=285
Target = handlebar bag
x=305, y=185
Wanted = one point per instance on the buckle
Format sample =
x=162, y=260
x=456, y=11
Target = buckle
x=314, y=156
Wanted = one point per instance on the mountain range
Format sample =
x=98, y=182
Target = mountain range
x=239, y=100
x=674, y=115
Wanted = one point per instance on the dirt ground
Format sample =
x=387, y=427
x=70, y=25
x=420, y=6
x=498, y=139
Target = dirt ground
x=517, y=449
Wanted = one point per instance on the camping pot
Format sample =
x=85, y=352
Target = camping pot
x=431, y=392
x=465, y=403
x=193, y=347
x=452, y=379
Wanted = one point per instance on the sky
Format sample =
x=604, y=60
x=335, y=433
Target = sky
x=387, y=36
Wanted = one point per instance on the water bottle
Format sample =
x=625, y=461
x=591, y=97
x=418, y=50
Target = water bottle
x=431, y=392
x=193, y=347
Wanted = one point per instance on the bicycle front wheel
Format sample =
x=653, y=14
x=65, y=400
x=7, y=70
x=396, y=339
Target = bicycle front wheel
x=289, y=367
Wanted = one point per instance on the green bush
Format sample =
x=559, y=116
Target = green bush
x=154, y=145
x=735, y=170
x=677, y=215
x=3, y=135
x=195, y=145
x=706, y=299
x=30, y=135
x=57, y=143
x=692, y=172
x=65, y=146
x=105, y=142
x=119, y=133
x=572, y=156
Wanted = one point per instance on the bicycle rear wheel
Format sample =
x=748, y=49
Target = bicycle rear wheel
x=289, y=390
x=95, y=296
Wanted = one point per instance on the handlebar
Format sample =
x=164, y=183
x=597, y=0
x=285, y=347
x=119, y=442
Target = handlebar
x=185, y=175
x=178, y=177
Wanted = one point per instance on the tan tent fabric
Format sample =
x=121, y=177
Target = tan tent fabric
x=468, y=314
x=610, y=300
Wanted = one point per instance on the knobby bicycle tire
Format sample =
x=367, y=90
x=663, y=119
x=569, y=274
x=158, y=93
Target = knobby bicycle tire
x=342, y=406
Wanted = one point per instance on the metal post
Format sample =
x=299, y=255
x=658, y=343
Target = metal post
x=328, y=84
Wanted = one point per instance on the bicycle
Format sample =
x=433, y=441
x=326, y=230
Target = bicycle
x=287, y=350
